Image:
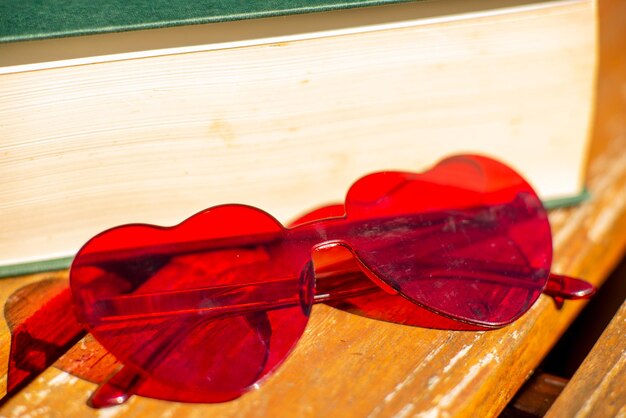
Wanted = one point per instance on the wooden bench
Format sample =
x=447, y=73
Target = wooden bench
x=347, y=365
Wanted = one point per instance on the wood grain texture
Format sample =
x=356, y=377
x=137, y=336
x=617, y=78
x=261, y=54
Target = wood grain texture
x=597, y=389
x=346, y=365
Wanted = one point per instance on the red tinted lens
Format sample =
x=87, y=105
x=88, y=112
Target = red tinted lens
x=468, y=238
x=340, y=274
x=203, y=309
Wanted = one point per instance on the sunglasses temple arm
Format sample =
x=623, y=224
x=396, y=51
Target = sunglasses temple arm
x=229, y=300
x=561, y=288
x=116, y=389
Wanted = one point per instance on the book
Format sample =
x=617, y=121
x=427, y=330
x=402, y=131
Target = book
x=283, y=112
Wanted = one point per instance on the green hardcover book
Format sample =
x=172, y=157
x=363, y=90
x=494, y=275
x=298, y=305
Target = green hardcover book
x=31, y=20
x=117, y=112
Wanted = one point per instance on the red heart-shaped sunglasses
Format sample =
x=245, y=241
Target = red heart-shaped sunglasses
x=202, y=311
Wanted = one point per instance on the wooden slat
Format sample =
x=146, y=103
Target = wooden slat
x=597, y=389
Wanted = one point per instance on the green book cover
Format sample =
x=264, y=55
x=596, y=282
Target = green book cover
x=22, y=20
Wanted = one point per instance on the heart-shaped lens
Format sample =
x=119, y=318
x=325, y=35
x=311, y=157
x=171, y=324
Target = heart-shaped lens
x=337, y=269
x=202, y=310
x=469, y=238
